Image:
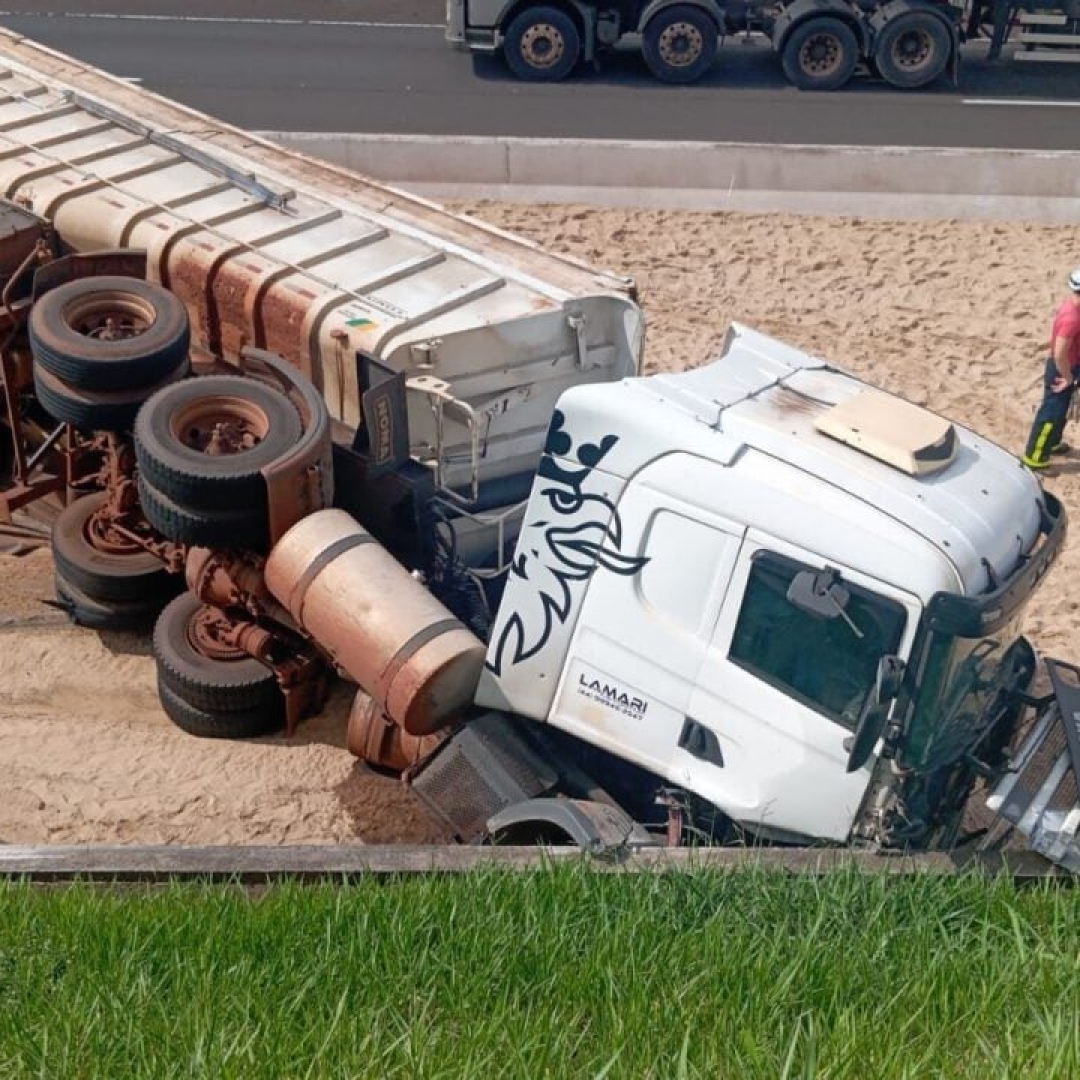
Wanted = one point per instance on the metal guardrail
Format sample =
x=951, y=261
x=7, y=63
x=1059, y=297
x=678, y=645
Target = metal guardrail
x=260, y=865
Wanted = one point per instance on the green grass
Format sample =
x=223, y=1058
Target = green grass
x=554, y=974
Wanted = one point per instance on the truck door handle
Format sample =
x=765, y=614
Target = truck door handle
x=701, y=741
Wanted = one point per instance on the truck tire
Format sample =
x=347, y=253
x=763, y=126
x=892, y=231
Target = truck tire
x=202, y=443
x=247, y=528
x=820, y=54
x=121, y=616
x=104, y=568
x=230, y=695
x=679, y=44
x=109, y=333
x=96, y=410
x=208, y=724
x=913, y=50
x=542, y=44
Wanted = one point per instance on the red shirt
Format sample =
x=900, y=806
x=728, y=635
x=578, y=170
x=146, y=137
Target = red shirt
x=1067, y=324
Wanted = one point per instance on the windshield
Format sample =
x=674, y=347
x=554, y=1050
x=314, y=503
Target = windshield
x=970, y=654
x=961, y=692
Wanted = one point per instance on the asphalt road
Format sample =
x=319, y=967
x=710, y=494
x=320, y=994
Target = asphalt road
x=382, y=66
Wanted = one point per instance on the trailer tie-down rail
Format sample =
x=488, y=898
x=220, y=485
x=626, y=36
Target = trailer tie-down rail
x=278, y=200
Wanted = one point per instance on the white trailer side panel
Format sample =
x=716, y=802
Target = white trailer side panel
x=269, y=248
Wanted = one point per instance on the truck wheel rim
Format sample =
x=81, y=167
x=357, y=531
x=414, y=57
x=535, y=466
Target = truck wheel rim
x=204, y=634
x=681, y=44
x=220, y=426
x=913, y=50
x=542, y=45
x=109, y=316
x=100, y=533
x=821, y=54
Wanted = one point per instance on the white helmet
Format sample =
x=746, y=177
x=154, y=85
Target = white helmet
x=1074, y=280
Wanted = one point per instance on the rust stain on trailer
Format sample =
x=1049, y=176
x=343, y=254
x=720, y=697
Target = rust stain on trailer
x=229, y=295
x=187, y=278
x=281, y=316
x=193, y=269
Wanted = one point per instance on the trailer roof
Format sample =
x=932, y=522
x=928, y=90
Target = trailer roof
x=47, y=101
x=272, y=249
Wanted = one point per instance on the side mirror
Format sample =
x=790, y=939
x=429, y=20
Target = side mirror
x=889, y=679
x=875, y=711
x=818, y=592
x=867, y=732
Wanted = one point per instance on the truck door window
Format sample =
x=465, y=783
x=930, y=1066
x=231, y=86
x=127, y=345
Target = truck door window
x=821, y=661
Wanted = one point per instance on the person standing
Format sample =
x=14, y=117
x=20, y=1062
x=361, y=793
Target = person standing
x=1059, y=382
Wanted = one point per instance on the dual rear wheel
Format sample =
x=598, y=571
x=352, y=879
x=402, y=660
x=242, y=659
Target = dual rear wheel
x=911, y=50
x=209, y=687
x=102, y=346
x=112, y=354
x=544, y=44
x=201, y=447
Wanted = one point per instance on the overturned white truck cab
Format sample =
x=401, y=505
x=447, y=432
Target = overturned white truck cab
x=759, y=598
x=776, y=593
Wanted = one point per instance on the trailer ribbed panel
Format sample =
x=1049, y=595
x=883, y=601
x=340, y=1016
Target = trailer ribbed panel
x=267, y=247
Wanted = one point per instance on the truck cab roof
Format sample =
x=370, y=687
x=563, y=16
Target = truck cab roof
x=969, y=498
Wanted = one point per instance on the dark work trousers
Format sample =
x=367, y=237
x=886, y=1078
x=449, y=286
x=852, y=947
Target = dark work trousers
x=1050, y=420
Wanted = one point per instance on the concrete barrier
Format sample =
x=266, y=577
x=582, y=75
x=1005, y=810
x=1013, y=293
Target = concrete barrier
x=872, y=181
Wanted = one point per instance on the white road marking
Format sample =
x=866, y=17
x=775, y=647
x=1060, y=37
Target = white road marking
x=219, y=19
x=1023, y=102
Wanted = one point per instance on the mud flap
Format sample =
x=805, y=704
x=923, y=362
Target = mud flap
x=1039, y=794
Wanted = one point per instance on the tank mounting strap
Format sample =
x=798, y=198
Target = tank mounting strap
x=320, y=563
x=414, y=645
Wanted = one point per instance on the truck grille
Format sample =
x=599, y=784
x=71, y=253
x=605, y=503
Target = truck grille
x=484, y=768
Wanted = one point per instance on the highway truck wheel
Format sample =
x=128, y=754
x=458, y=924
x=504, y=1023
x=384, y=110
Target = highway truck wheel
x=820, y=54
x=679, y=44
x=913, y=50
x=104, y=565
x=247, y=527
x=209, y=689
x=542, y=44
x=124, y=616
x=204, y=442
x=109, y=333
x=96, y=410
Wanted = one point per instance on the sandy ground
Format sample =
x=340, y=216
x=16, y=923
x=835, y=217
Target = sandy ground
x=953, y=315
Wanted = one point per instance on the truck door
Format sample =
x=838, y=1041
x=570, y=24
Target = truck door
x=781, y=689
x=641, y=638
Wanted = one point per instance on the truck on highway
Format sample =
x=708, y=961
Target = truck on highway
x=306, y=426
x=821, y=43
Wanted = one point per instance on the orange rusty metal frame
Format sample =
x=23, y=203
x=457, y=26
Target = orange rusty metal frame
x=250, y=620
x=45, y=462
x=120, y=516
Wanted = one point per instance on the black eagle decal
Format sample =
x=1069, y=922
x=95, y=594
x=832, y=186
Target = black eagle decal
x=586, y=534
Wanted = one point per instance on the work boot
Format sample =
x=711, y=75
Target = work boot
x=1040, y=468
x=1061, y=448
